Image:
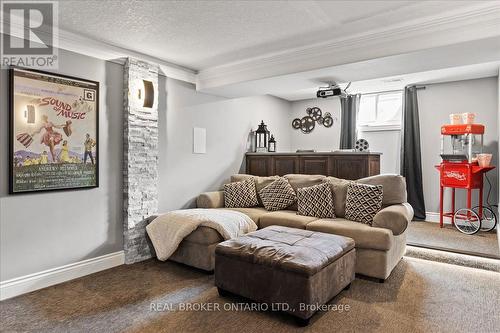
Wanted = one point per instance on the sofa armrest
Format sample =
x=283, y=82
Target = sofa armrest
x=210, y=200
x=394, y=217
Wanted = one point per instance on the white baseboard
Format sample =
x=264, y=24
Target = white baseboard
x=434, y=217
x=24, y=284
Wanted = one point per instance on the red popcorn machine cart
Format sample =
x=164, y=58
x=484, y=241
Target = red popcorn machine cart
x=460, y=170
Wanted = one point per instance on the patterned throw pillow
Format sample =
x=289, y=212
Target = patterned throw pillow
x=363, y=202
x=240, y=194
x=316, y=201
x=278, y=195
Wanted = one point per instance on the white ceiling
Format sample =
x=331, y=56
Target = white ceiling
x=204, y=34
x=398, y=82
x=468, y=60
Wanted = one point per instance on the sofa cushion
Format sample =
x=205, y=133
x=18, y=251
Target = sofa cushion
x=297, y=181
x=316, y=201
x=255, y=213
x=394, y=187
x=204, y=235
x=339, y=190
x=277, y=195
x=260, y=182
x=363, y=202
x=364, y=236
x=240, y=194
x=286, y=218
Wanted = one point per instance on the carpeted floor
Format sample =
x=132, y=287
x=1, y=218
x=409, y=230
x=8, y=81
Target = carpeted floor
x=419, y=296
x=453, y=258
x=430, y=234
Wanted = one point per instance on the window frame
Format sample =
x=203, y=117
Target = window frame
x=379, y=127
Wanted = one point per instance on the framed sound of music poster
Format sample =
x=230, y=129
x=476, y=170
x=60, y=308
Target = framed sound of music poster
x=54, y=136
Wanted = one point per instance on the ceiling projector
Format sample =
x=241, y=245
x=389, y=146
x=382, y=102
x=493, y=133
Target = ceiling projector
x=331, y=91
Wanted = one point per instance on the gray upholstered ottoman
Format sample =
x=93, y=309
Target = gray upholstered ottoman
x=292, y=268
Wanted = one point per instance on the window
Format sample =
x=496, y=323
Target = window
x=381, y=111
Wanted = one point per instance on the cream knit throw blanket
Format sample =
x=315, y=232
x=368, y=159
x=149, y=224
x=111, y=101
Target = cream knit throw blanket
x=168, y=230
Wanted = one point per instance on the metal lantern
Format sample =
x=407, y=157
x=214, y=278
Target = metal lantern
x=261, y=137
x=272, y=144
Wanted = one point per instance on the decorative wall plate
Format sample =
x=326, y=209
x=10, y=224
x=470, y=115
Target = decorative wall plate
x=328, y=121
x=296, y=123
x=315, y=113
x=307, y=124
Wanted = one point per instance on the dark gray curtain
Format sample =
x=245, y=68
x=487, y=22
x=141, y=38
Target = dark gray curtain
x=411, y=161
x=349, y=111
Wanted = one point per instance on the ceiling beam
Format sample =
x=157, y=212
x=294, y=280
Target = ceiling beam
x=465, y=24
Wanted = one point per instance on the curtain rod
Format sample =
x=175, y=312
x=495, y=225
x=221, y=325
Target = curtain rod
x=389, y=91
x=383, y=92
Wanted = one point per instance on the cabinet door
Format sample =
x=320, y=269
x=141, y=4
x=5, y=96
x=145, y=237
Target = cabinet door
x=374, y=165
x=259, y=165
x=314, y=165
x=351, y=167
x=285, y=164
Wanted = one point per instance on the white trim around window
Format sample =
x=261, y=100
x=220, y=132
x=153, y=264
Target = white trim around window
x=379, y=128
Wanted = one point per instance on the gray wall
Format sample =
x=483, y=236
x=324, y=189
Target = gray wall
x=183, y=175
x=321, y=138
x=435, y=103
x=45, y=230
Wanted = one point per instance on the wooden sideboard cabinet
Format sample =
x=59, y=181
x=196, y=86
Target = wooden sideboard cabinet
x=346, y=165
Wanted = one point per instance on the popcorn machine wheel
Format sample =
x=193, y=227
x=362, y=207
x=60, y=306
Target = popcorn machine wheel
x=460, y=170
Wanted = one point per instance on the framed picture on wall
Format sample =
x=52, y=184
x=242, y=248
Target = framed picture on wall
x=54, y=132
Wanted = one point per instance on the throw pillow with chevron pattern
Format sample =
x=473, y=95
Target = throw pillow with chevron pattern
x=363, y=202
x=277, y=195
x=240, y=194
x=316, y=201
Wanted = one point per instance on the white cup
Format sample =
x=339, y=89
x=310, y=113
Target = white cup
x=468, y=117
x=455, y=118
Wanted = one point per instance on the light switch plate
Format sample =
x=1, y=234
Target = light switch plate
x=199, y=140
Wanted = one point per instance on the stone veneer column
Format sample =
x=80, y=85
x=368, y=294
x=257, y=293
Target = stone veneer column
x=140, y=170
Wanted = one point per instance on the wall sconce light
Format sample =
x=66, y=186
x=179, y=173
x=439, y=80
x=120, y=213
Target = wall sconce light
x=146, y=94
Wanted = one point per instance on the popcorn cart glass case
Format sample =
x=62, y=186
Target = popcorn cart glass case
x=460, y=145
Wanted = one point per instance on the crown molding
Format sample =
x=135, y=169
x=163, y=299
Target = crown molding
x=476, y=22
x=83, y=45
x=101, y=50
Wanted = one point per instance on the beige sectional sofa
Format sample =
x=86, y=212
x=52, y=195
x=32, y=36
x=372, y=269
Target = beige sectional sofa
x=378, y=247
